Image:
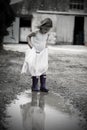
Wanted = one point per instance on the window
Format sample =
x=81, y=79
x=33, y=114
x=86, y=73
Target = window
x=76, y=5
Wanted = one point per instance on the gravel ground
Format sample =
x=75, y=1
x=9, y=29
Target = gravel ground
x=67, y=75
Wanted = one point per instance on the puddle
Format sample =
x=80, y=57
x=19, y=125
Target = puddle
x=40, y=111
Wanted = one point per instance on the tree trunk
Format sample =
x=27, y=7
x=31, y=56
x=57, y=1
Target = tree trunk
x=1, y=43
x=1, y=46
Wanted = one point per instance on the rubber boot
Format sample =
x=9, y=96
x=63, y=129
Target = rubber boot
x=35, y=84
x=43, y=83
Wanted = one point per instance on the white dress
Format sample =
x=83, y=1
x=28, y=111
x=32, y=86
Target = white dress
x=39, y=41
x=36, y=59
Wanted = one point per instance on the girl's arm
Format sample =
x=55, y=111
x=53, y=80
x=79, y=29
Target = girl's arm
x=29, y=38
x=29, y=41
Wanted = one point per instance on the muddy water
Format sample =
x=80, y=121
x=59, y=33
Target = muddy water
x=40, y=111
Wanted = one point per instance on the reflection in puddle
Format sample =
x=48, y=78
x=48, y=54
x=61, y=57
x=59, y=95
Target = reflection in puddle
x=40, y=111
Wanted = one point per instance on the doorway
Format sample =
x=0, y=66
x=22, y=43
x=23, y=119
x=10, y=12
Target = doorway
x=78, y=31
x=25, y=28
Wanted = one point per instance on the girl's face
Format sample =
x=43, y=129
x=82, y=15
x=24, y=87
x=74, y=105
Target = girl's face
x=44, y=29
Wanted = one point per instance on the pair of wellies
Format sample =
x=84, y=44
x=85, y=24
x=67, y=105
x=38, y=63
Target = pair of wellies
x=42, y=84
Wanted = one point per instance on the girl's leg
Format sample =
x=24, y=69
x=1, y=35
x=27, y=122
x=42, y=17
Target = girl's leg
x=35, y=83
x=43, y=83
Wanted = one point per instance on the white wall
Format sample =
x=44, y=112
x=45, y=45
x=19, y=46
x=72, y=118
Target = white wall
x=65, y=28
x=13, y=36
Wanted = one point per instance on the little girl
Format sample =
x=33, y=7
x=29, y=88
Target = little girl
x=38, y=66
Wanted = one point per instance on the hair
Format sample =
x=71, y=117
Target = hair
x=47, y=22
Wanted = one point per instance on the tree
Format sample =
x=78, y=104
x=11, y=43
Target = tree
x=7, y=17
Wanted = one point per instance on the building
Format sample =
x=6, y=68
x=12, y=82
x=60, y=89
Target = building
x=69, y=20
